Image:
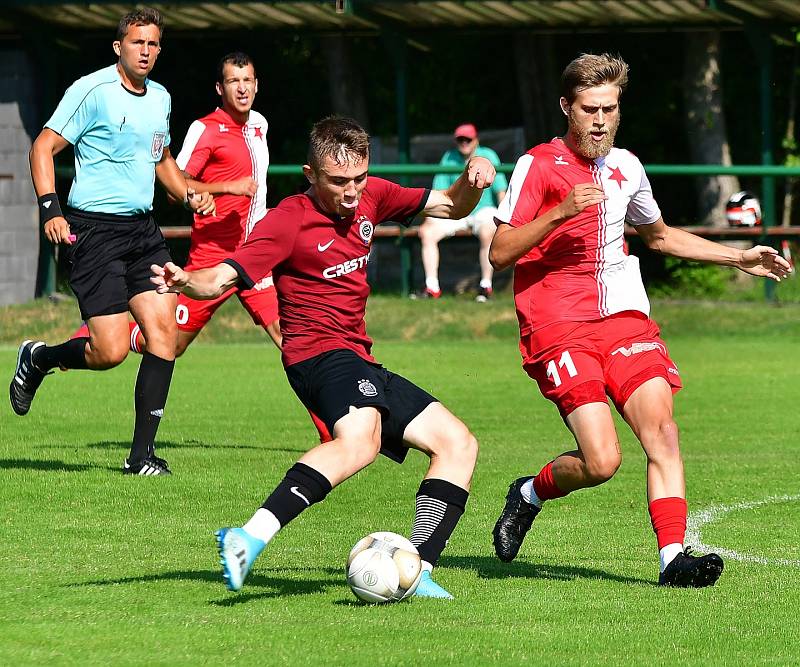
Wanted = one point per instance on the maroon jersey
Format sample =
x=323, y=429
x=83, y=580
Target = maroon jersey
x=319, y=265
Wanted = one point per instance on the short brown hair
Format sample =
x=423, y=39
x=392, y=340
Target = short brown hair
x=237, y=59
x=589, y=70
x=143, y=16
x=341, y=139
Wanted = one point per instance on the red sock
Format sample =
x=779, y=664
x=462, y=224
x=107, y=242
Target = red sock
x=82, y=332
x=545, y=486
x=136, y=337
x=668, y=516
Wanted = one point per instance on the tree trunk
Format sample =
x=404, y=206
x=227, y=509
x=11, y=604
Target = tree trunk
x=538, y=87
x=345, y=82
x=705, y=125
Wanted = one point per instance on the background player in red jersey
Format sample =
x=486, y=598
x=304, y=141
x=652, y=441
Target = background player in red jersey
x=225, y=153
x=585, y=331
x=317, y=244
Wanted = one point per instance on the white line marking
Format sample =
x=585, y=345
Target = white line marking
x=700, y=518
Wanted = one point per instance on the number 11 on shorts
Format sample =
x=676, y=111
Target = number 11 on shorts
x=564, y=362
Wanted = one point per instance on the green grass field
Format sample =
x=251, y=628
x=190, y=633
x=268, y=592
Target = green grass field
x=98, y=568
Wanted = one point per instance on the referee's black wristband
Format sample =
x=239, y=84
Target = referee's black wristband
x=49, y=207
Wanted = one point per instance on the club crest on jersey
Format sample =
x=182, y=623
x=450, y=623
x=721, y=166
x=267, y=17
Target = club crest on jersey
x=367, y=388
x=157, y=147
x=365, y=229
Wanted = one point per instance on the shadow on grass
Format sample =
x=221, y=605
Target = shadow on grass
x=278, y=586
x=488, y=567
x=162, y=445
x=49, y=466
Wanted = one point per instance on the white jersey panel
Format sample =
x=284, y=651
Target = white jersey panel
x=193, y=135
x=506, y=208
x=620, y=284
x=259, y=156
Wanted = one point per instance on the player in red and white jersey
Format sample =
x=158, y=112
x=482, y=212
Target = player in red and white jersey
x=585, y=331
x=225, y=153
x=317, y=245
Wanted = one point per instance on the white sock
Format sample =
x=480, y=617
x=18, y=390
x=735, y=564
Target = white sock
x=432, y=284
x=263, y=526
x=668, y=553
x=426, y=566
x=486, y=283
x=529, y=494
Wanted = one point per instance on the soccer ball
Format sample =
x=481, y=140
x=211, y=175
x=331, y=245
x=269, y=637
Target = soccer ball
x=383, y=567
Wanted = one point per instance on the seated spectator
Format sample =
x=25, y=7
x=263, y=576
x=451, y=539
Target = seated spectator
x=480, y=221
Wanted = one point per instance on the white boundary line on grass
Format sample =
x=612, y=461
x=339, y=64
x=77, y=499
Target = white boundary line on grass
x=700, y=518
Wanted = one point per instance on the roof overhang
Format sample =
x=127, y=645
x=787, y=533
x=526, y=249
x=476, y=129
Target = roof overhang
x=373, y=16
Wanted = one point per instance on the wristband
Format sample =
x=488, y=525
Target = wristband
x=49, y=207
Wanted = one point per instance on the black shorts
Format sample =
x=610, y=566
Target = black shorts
x=110, y=259
x=331, y=382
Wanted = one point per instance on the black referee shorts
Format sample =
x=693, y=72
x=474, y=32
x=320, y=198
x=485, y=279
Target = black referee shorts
x=331, y=382
x=110, y=259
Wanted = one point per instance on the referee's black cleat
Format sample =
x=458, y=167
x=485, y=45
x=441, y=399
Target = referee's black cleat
x=27, y=378
x=688, y=571
x=148, y=467
x=514, y=522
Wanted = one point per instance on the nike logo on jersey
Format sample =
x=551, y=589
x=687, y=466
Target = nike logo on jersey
x=560, y=160
x=322, y=247
x=296, y=492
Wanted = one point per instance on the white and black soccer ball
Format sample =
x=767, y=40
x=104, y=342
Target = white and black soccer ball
x=383, y=567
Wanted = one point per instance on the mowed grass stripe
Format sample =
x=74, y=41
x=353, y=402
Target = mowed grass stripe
x=99, y=569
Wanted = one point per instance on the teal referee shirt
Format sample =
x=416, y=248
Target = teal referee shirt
x=119, y=137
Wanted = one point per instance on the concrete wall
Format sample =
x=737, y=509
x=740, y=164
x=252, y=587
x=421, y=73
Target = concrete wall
x=19, y=224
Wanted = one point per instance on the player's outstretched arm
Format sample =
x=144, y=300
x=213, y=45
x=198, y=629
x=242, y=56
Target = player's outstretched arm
x=511, y=243
x=760, y=260
x=174, y=182
x=202, y=284
x=461, y=197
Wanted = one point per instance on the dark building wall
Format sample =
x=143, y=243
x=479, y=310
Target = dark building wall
x=19, y=233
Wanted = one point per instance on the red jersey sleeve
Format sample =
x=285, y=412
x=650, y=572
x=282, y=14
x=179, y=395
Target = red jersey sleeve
x=270, y=243
x=396, y=203
x=525, y=194
x=196, y=149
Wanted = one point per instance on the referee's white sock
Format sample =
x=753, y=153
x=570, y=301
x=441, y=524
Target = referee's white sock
x=432, y=284
x=263, y=526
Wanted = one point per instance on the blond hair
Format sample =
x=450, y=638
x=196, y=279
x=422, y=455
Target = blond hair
x=589, y=70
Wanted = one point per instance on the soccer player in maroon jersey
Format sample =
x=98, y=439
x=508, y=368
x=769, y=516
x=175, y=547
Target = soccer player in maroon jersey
x=585, y=331
x=317, y=245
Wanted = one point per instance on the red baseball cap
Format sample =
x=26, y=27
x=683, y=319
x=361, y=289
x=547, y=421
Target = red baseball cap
x=467, y=130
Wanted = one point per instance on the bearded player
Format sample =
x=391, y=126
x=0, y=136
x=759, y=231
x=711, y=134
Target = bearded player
x=585, y=331
x=318, y=246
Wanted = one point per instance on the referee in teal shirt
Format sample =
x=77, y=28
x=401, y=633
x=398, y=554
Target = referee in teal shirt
x=117, y=120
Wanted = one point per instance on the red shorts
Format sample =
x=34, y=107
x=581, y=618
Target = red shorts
x=261, y=301
x=575, y=363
